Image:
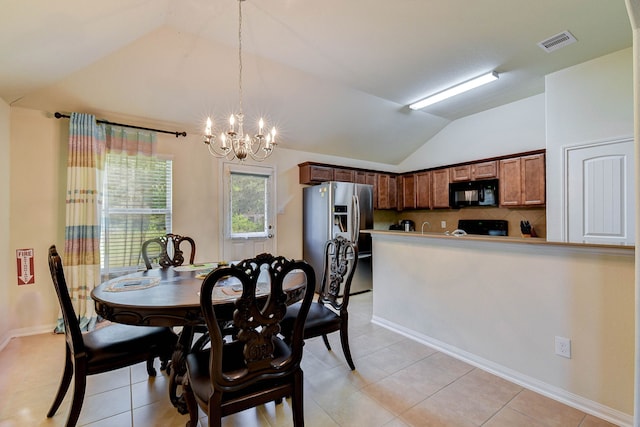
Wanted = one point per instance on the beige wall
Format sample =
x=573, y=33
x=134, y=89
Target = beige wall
x=36, y=214
x=5, y=264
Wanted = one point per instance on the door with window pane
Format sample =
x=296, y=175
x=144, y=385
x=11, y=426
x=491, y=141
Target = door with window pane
x=248, y=211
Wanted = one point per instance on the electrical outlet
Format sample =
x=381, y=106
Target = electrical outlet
x=443, y=224
x=563, y=347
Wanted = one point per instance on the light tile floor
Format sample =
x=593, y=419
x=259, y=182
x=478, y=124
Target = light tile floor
x=398, y=382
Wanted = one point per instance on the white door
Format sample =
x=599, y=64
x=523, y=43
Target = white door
x=248, y=208
x=600, y=196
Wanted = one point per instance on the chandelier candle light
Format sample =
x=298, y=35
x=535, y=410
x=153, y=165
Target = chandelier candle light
x=234, y=143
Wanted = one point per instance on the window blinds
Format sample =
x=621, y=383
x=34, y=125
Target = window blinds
x=136, y=207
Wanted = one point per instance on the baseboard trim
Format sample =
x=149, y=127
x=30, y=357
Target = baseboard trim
x=578, y=402
x=364, y=291
x=23, y=332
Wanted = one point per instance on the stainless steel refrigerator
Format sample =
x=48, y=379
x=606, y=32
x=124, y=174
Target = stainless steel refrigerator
x=334, y=209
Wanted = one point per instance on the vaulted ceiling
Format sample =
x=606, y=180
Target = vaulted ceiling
x=335, y=76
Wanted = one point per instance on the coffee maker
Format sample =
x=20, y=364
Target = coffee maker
x=407, y=225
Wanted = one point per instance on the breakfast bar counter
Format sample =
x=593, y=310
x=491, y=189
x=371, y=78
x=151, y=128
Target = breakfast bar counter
x=500, y=302
x=505, y=239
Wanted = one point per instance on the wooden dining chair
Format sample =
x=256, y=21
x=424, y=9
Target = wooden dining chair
x=330, y=312
x=104, y=349
x=165, y=251
x=255, y=366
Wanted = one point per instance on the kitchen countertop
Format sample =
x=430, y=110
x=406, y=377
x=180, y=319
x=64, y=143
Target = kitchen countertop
x=499, y=239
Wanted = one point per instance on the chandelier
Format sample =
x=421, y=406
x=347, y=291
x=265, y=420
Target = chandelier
x=235, y=143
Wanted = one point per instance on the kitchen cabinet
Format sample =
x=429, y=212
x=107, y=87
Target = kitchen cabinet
x=484, y=170
x=522, y=181
x=414, y=191
x=533, y=180
x=423, y=190
x=364, y=177
x=510, y=182
x=473, y=171
x=317, y=173
x=460, y=173
x=440, y=188
x=311, y=174
x=387, y=191
x=343, y=175
x=406, y=191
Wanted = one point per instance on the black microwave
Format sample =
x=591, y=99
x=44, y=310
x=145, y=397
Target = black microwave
x=473, y=193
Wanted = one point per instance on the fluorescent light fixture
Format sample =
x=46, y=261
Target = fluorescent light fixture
x=455, y=90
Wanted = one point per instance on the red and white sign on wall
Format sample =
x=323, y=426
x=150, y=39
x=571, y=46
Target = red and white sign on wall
x=24, y=258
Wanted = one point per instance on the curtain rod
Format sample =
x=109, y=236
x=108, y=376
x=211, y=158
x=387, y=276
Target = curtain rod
x=177, y=134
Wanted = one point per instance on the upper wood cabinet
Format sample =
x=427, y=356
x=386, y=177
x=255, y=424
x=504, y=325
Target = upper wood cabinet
x=510, y=182
x=311, y=173
x=406, y=191
x=440, y=188
x=365, y=177
x=414, y=191
x=344, y=175
x=473, y=171
x=533, y=180
x=460, y=173
x=314, y=174
x=484, y=170
x=522, y=181
x=387, y=191
x=423, y=190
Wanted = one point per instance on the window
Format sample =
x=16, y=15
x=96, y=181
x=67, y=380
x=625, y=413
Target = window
x=249, y=199
x=136, y=207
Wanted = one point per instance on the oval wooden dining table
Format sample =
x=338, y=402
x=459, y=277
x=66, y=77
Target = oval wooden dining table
x=171, y=297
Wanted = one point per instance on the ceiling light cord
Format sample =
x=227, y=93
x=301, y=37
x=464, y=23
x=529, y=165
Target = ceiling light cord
x=240, y=52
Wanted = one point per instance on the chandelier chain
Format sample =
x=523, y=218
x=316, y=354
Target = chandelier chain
x=240, y=52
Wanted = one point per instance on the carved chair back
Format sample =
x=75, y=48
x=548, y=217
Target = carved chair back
x=251, y=353
x=165, y=251
x=341, y=260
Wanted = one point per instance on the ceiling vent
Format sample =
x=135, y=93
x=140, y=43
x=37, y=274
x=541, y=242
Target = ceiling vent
x=558, y=41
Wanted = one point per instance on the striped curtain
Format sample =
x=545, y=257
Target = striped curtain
x=130, y=187
x=130, y=142
x=85, y=165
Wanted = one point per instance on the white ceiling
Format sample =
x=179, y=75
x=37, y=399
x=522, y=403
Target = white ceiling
x=335, y=76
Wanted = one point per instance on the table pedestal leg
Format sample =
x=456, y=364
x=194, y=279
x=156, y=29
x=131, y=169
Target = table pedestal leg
x=178, y=369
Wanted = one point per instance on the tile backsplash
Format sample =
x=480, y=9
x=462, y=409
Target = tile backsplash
x=536, y=217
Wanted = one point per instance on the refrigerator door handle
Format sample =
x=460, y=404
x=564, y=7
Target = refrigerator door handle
x=355, y=218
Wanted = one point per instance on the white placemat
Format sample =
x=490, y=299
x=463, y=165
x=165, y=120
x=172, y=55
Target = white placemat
x=131, y=284
x=197, y=267
x=231, y=292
